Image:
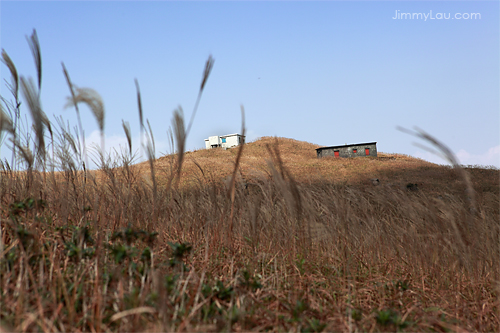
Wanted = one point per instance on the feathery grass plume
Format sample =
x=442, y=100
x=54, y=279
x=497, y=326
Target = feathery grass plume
x=46, y=122
x=5, y=122
x=37, y=55
x=69, y=138
x=208, y=68
x=150, y=151
x=206, y=72
x=14, y=87
x=93, y=100
x=5, y=125
x=232, y=189
x=446, y=153
x=150, y=145
x=126, y=128
x=64, y=156
x=33, y=99
x=65, y=139
x=171, y=157
x=72, y=91
x=180, y=138
x=141, y=119
x=25, y=153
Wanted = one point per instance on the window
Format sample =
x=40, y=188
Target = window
x=367, y=151
x=354, y=151
x=223, y=140
x=336, y=153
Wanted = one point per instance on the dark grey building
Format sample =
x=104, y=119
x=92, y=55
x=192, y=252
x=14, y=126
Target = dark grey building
x=355, y=150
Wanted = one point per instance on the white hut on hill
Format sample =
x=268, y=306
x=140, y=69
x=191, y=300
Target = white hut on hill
x=224, y=141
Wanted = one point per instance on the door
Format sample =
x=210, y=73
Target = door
x=336, y=153
x=367, y=151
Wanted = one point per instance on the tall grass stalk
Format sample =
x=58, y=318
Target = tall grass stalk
x=14, y=89
x=232, y=186
x=466, y=233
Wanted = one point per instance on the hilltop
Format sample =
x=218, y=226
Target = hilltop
x=299, y=157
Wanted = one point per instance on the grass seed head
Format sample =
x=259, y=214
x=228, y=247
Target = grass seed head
x=37, y=55
x=13, y=72
x=93, y=100
x=32, y=97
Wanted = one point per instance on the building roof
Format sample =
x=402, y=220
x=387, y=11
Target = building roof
x=223, y=136
x=351, y=145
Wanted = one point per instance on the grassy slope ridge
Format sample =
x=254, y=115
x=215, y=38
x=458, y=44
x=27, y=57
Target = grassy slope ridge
x=323, y=249
x=299, y=157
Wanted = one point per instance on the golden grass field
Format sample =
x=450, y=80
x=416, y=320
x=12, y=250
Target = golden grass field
x=318, y=247
x=392, y=170
x=263, y=237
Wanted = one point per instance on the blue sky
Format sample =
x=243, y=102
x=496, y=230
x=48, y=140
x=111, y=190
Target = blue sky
x=323, y=72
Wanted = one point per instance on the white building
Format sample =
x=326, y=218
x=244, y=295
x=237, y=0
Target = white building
x=224, y=141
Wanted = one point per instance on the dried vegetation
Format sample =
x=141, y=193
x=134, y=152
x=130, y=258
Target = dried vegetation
x=264, y=237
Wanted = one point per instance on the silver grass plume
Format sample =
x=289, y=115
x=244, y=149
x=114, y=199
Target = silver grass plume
x=208, y=68
x=39, y=118
x=126, y=128
x=141, y=119
x=47, y=123
x=5, y=122
x=65, y=158
x=69, y=138
x=151, y=136
x=25, y=153
x=72, y=91
x=206, y=73
x=14, y=88
x=150, y=150
x=37, y=56
x=93, y=100
x=5, y=125
x=444, y=152
x=180, y=137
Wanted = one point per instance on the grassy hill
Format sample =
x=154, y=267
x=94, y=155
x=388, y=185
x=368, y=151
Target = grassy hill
x=301, y=244
x=299, y=157
x=295, y=243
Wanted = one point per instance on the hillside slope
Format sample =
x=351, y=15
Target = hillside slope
x=299, y=157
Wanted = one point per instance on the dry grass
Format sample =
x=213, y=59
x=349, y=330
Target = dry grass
x=295, y=243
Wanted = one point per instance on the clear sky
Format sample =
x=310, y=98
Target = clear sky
x=328, y=73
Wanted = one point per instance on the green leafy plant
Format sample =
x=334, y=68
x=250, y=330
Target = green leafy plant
x=388, y=317
x=313, y=325
x=298, y=309
x=249, y=281
x=356, y=314
x=222, y=292
x=179, y=252
x=121, y=252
